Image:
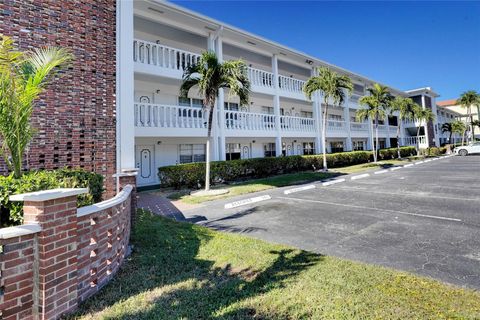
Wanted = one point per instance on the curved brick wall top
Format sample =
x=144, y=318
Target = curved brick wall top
x=76, y=117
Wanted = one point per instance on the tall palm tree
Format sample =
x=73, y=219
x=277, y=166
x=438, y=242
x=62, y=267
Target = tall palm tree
x=377, y=103
x=459, y=127
x=24, y=76
x=210, y=75
x=334, y=87
x=447, y=127
x=405, y=107
x=422, y=115
x=467, y=100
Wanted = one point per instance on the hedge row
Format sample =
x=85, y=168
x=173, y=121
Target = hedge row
x=11, y=213
x=192, y=175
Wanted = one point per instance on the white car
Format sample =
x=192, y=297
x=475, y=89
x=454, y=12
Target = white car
x=471, y=148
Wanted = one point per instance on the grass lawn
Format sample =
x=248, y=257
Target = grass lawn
x=255, y=186
x=382, y=164
x=184, y=271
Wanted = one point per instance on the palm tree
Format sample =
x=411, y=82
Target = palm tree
x=447, y=127
x=405, y=108
x=459, y=127
x=377, y=103
x=24, y=76
x=422, y=115
x=334, y=87
x=467, y=100
x=210, y=75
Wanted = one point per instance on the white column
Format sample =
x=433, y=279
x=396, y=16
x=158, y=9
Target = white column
x=317, y=116
x=346, y=116
x=276, y=107
x=221, y=106
x=424, y=122
x=125, y=87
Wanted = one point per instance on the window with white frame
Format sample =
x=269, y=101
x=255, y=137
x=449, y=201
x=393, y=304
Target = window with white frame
x=358, y=145
x=335, y=117
x=358, y=89
x=306, y=114
x=308, y=148
x=193, y=103
x=191, y=153
x=231, y=106
x=336, y=146
x=269, y=150
x=268, y=110
x=233, y=151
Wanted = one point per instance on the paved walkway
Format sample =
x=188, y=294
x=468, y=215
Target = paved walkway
x=159, y=204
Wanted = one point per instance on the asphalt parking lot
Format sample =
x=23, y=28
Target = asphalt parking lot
x=423, y=219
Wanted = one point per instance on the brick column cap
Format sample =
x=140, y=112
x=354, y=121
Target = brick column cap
x=46, y=195
x=18, y=231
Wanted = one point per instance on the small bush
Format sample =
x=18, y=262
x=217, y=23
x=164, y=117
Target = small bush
x=192, y=175
x=11, y=213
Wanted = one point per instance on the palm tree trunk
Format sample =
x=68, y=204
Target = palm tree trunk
x=418, y=141
x=471, y=124
x=373, y=140
x=463, y=137
x=324, y=136
x=376, y=137
x=207, y=156
x=398, y=139
x=450, y=137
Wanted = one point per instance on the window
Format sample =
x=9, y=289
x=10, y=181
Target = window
x=231, y=106
x=358, y=145
x=268, y=110
x=192, y=153
x=381, y=144
x=187, y=102
x=358, y=89
x=308, y=148
x=335, y=117
x=233, y=151
x=393, y=120
x=336, y=146
x=306, y=114
x=269, y=149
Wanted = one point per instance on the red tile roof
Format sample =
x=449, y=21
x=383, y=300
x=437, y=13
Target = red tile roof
x=445, y=103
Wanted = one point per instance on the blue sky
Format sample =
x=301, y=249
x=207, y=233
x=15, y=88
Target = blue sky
x=403, y=44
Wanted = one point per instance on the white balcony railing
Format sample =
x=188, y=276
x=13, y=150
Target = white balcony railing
x=358, y=126
x=412, y=141
x=237, y=120
x=382, y=127
x=290, y=84
x=302, y=124
x=156, y=54
x=164, y=116
x=336, y=125
x=260, y=78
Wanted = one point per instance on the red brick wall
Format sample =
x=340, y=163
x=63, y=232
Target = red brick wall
x=16, y=265
x=70, y=258
x=76, y=117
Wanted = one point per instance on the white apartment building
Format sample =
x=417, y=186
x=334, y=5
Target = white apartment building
x=157, y=40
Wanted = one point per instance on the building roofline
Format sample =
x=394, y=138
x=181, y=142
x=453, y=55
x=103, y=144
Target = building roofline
x=423, y=89
x=221, y=24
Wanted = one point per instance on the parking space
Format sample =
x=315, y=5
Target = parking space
x=423, y=219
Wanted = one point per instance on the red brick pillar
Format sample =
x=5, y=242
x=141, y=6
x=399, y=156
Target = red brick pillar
x=129, y=177
x=55, y=285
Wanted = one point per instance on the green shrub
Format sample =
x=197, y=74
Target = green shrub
x=11, y=213
x=192, y=175
x=391, y=153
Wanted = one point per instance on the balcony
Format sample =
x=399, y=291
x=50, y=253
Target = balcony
x=359, y=126
x=412, y=141
x=165, y=120
x=151, y=57
x=175, y=119
x=161, y=60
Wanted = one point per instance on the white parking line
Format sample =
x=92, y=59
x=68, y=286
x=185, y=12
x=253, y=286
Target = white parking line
x=329, y=183
x=380, y=172
x=360, y=176
x=307, y=187
x=395, y=168
x=427, y=160
x=408, y=165
x=246, y=201
x=419, y=162
x=376, y=209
